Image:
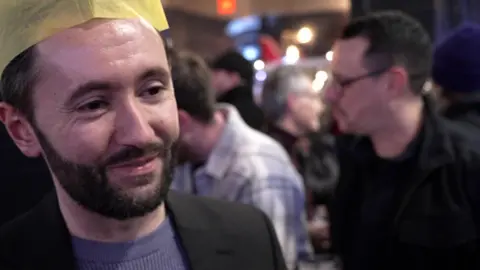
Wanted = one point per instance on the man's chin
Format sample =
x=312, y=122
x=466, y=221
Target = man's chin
x=138, y=188
x=137, y=202
x=134, y=181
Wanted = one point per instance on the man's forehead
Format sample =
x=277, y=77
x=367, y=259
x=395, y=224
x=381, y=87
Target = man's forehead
x=105, y=51
x=93, y=42
x=348, y=55
x=98, y=31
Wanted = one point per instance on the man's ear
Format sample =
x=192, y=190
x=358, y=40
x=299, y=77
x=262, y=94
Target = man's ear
x=398, y=81
x=20, y=130
x=184, y=119
x=235, y=77
x=291, y=102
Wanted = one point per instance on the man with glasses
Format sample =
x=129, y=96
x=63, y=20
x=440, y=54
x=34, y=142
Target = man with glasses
x=407, y=196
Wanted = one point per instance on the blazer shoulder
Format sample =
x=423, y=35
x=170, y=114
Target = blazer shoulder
x=252, y=231
x=16, y=228
x=15, y=236
x=29, y=228
x=228, y=216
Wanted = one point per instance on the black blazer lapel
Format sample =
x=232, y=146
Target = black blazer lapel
x=48, y=246
x=206, y=247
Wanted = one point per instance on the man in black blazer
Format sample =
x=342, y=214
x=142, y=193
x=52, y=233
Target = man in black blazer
x=215, y=235
x=93, y=97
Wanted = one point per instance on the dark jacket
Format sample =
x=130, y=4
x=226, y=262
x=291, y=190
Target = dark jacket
x=436, y=223
x=314, y=158
x=24, y=181
x=466, y=113
x=215, y=235
x=242, y=98
x=322, y=169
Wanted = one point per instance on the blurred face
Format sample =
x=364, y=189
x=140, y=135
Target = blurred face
x=306, y=108
x=192, y=140
x=357, y=94
x=223, y=81
x=106, y=117
x=187, y=140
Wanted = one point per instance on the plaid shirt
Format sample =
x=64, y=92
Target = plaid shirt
x=249, y=167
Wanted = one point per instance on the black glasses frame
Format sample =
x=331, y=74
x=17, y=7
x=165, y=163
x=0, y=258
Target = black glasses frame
x=347, y=82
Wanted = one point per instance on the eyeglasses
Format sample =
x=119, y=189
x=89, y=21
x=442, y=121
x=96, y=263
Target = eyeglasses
x=347, y=82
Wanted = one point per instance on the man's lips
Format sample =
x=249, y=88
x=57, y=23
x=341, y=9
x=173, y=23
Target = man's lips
x=136, y=167
x=138, y=162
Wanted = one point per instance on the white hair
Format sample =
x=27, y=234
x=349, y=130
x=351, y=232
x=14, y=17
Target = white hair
x=278, y=85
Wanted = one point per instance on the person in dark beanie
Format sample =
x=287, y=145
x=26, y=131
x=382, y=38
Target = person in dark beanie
x=456, y=70
x=233, y=82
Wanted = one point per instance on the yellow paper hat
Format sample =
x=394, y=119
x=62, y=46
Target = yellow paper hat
x=24, y=23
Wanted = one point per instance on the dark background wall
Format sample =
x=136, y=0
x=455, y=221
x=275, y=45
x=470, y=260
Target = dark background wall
x=201, y=34
x=422, y=10
x=328, y=26
x=205, y=35
x=439, y=17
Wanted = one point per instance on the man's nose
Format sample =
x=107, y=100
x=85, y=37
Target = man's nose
x=133, y=126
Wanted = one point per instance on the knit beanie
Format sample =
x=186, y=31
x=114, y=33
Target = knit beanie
x=456, y=60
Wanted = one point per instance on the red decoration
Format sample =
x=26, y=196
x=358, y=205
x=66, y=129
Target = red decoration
x=270, y=48
x=226, y=7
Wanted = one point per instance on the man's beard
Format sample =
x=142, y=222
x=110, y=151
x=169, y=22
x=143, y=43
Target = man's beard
x=89, y=186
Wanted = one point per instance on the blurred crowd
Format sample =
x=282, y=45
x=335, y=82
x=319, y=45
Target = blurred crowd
x=379, y=169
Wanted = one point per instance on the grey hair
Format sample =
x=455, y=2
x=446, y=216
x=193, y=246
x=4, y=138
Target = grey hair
x=278, y=85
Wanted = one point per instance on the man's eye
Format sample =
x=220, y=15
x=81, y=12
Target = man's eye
x=92, y=106
x=153, y=91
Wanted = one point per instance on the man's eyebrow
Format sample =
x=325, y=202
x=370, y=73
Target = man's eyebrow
x=90, y=87
x=160, y=72
x=109, y=85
